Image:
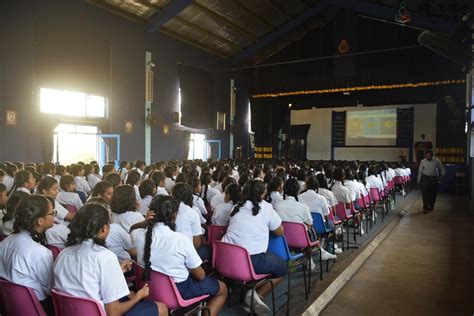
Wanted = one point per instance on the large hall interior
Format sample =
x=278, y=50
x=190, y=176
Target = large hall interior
x=236, y=157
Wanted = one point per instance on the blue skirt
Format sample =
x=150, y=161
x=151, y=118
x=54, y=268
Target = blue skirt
x=269, y=263
x=192, y=288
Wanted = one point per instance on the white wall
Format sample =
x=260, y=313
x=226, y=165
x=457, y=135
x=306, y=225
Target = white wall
x=319, y=134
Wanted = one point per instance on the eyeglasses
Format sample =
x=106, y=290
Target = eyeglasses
x=54, y=213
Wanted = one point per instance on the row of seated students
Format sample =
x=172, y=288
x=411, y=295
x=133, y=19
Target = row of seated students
x=158, y=215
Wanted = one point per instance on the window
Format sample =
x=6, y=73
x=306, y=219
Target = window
x=73, y=143
x=197, y=146
x=70, y=103
x=249, y=119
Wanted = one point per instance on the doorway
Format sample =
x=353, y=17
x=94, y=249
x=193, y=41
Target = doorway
x=73, y=143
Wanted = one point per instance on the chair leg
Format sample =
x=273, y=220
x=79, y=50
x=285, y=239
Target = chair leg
x=289, y=292
x=273, y=298
x=304, y=280
x=347, y=231
x=342, y=235
x=320, y=263
x=309, y=272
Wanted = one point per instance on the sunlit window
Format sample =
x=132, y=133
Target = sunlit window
x=197, y=146
x=70, y=103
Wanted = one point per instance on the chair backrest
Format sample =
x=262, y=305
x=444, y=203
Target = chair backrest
x=361, y=202
x=296, y=235
x=55, y=250
x=70, y=208
x=374, y=194
x=215, y=232
x=332, y=218
x=341, y=211
x=66, y=305
x=232, y=261
x=279, y=246
x=318, y=223
x=19, y=300
x=398, y=180
x=163, y=289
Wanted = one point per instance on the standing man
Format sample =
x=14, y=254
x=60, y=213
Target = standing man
x=430, y=170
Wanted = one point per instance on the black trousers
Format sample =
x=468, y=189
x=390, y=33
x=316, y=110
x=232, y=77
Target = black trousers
x=429, y=190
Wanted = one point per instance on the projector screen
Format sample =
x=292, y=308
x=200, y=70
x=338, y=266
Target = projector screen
x=371, y=128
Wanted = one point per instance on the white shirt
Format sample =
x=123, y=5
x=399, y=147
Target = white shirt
x=316, y=202
x=217, y=200
x=332, y=201
x=69, y=198
x=6, y=227
x=57, y=235
x=341, y=193
x=188, y=222
x=144, y=204
x=127, y=219
x=302, y=186
x=374, y=182
x=276, y=198
x=169, y=184
x=171, y=253
x=219, y=188
x=399, y=172
x=82, y=185
x=91, y=271
x=23, y=189
x=291, y=210
x=354, y=189
x=92, y=180
x=199, y=204
x=252, y=232
x=211, y=193
x=123, y=174
x=61, y=211
x=161, y=191
x=119, y=242
x=221, y=215
x=362, y=188
x=137, y=193
x=140, y=172
x=8, y=182
x=26, y=262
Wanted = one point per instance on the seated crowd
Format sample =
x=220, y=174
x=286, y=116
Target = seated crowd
x=102, y=218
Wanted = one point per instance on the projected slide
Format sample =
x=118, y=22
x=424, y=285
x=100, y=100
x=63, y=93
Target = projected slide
x=371, y=128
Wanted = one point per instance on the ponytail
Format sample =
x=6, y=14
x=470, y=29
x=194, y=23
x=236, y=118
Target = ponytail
x=88, y=221
x=252, y=192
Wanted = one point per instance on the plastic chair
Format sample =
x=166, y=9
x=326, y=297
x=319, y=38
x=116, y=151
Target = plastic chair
x=19, y=300
x=55, y=250
x=376, y=197
x=67, y=305
x=296, y=235
x=233, y=262
x=215, y=232
x=322, y=230
x=345, y=218
x=279, y=246
x=163, y=289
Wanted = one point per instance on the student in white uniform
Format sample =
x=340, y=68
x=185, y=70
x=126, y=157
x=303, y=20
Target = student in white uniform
x=169, y=182
x=139, y=167
x=353, y=187
x=77, y=171
x=9, y=178
x=124, y=207
x=161, y=249
x=86, y=268
x=24, y=181
x=90, y=176
x=219, y=198
x=6, y=224
x=133, y=179
x=123, y=169
x=373, y=181
x=24, y=259
x=158, y=178
x=198, y=203
x=274, y=191
x=324, y=191
x=250, y=225
x=208, y=192
x=68, y=196
x=188, y=221
x=104, y=190
x=316, y=202
x=48, y=186
x=147, y=191
x=233, y=196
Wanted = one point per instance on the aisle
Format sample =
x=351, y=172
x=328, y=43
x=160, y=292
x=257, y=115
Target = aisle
x=424, y=267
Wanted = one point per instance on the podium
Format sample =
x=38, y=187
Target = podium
x=420, y=149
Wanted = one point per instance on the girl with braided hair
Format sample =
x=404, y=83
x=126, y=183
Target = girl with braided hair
x=251, y=222
x=274, y=191
x=86, y=268
x=233, y=196
x=162, y=249
x=24, y=259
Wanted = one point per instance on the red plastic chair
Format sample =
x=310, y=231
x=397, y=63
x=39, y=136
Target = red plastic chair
x=345, y=218
x=296, y=235
x=377, y=198
x=215, y=232
x=233, y=262
x=163, y=289
x=55, y=250
x=68, y=305
x=70, y=208
x=19, y=300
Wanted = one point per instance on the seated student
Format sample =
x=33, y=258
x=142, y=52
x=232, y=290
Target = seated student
x=24, y=259
x=258, y=174
x=49, y=169
x=9, y=178
x=104, y=190
x=232, y=196
x=147, y=191
x=161, y=249
x=354, y=188
x=251, y=222
x=68, y=195
x=48, y=186
x=24, y=181
x=114, y=179
x=274, y=191
x=315, y=201
x=90, y=175
x=8, y=220
x=373, y=181
x=208, y=192
x=60, y=171
x=301, y=176
x=86, y=268
x=133, y=179
x=188, y=222
x=224, y=173
x=77, y=171
x=123, y=169
x=324, y=191
x=219, y=198
x=198, y=203
x=139, y=167
x=107, y=170
x=158, y=178
x=124, y=207
x=3, y=200
x=169, y=181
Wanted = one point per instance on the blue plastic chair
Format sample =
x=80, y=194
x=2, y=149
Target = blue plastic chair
x=322, y=230
x=279, y=246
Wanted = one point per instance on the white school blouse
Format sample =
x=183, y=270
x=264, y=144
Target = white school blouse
x=341, y=193
x=169, y=184
x=91, y=271
x=6, y=227
x=374, y=182
x=119, y=242
x=217, y=200
x=69, y=198
x=211, y=193
x=219, y=187
x=23, y=189
x=127, y=219
x=354, y=189
x=276, y=198
x=171, y=253
x=26, y=262
x=57, y=235
x=161, y=191
x=199, y=204
x=137, y=193
x=316, y=202
x=8, y=182
x=188, y=222
x=82, y=185
x=221, y=215
x=291, y=210
x=252, y=232
x=144, y=204
x=332, y=201
x=92, y=180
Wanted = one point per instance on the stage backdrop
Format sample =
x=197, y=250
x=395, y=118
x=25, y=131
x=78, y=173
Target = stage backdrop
x=319, y=135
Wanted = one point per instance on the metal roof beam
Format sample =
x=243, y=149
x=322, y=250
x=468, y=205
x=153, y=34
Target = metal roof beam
x=169, y=12
x=252, y=14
